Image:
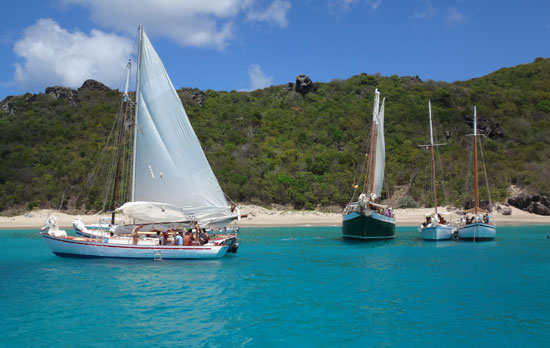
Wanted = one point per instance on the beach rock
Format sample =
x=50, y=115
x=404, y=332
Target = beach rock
x=540, y=209
x=535, y=204
x=506, y=211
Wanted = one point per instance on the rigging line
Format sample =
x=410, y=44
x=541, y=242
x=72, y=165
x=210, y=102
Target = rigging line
x=442, y=181
x=466, y=188
x=438, y=160
x=91, y=179
x=112, y=168
x=358, y=179
x=485, y=171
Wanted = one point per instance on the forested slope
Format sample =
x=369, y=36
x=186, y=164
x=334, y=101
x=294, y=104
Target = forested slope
x=279, y=146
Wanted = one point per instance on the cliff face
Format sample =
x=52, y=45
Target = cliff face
x=296, y=145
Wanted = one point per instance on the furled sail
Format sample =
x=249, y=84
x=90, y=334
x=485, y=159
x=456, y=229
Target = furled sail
x=380, y=157
x=170, y=165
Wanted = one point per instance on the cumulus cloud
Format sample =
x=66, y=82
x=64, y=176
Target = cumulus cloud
x=276, y=13
x=453, y=17
x=258, y=79
x=54, y=56
x=426, y=13
x=202, y=23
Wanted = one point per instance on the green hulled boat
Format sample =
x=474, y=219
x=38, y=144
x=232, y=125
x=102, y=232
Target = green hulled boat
x=364, y=219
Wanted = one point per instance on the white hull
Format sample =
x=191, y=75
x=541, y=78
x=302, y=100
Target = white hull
x=441, y=232
x=477, y=231
x=85, y=248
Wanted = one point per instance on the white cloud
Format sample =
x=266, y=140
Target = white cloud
x=453, y=17
x=275, y=13
x=344, y=6
x=203, y=23
x=258, y=79
x=427, y=12
x=55, y=56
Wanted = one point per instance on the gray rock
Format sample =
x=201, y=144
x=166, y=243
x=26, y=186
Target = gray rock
x=304, y=85
x=506, y=211
x=540, y=209
x=485, y=126
x=94, y=86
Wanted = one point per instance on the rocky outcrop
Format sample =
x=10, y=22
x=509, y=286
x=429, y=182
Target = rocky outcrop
x=8, y=106
x=94, y=85
x=304, y=85
x=192, y=96
x=485, y=126
x=57, y=92
x=535, y=204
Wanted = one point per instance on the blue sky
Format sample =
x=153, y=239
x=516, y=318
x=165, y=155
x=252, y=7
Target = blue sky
x=250, y=44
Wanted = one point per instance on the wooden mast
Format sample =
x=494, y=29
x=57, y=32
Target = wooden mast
x=120, y=141
x=372, y=148
x=433, y=156
x=476, y=204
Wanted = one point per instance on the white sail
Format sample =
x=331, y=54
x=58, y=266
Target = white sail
x=170, y=165
x=380, y=157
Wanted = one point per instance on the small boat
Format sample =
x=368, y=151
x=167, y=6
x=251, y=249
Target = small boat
x=478, y=227
x=365, y=219
x=435, y=227
x=173, y=187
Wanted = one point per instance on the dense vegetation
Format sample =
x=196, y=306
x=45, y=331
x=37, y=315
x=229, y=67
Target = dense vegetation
x=278, y=146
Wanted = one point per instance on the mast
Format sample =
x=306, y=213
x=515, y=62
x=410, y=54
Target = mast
x=138, y=99
x=476, y=205
x=120, y=140
x=433, y=155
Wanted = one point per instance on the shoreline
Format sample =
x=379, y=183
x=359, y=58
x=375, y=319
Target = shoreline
x=263, y=217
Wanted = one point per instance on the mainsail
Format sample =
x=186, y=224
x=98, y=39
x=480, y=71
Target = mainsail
x=380, y=156
x=170, y=168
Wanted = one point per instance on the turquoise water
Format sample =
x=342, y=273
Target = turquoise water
x=286, y=287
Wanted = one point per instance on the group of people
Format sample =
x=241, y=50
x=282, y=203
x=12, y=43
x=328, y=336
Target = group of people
x=197, y=236
x=466, y=220
x=382, y=211
x=440, y=218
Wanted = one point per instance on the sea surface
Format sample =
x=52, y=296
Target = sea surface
x=286, y=287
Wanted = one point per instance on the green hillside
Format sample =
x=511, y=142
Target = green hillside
x=278, y=146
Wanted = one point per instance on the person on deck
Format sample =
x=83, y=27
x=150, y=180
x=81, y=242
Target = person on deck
x=188, y=239
x=165, y=238
x=179, y=239
x=135, y=234
x=203, y=237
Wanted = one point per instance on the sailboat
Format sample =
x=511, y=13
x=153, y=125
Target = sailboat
x=365, y=219
x=173, y=185
x=435, y=227
x=478, y=227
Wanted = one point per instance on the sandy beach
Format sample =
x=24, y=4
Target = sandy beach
x=263, y=217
